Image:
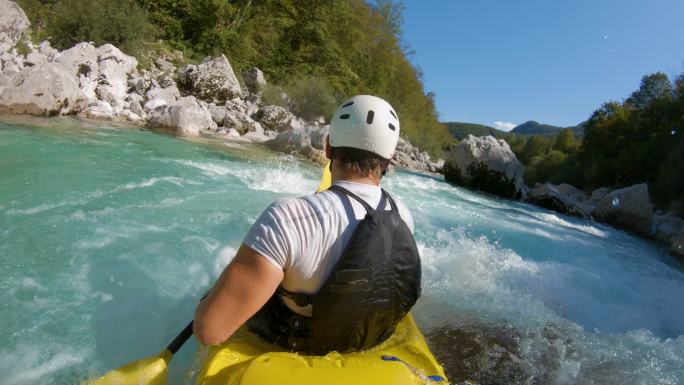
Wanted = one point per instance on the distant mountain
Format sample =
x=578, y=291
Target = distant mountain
x=535, y=128
x=461, y=130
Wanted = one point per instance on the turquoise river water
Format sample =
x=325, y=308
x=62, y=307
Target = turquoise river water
x=109, y=235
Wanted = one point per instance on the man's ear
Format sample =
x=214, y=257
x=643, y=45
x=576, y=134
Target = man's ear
x=328, y=151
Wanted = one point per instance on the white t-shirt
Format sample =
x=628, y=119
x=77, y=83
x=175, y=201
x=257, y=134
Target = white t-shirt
x=306, y=236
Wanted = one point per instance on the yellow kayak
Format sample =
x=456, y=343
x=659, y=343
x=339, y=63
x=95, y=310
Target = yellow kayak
x=245, y=359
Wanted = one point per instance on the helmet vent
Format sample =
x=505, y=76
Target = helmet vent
x=391, y=126
x=345, y=116
x=347, y=104
x=369, y=117
x=393, y=114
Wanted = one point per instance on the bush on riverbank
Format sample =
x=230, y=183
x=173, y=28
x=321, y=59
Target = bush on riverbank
x=348, y=46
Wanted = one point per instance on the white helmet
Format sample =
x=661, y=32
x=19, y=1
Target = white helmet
x=365, y=122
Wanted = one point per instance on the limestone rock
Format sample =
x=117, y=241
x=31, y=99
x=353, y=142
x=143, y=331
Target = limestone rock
x=319, y=136
x=137, y=109
x=297, y=123
x=46, y=49
x=410, y=156
x=45, y=89
x=629, y=208
x=154, y=104
x=677, y=247
x=4, y=81
x=598, y=194
x=169, y=94
x=437, y=166
x=254, y=80
x=114, y=67
x=10, y=69
x=134, y=97
x=129, y=116
x=299, y=141
x=237, y=116
x=99, y=111
x=557, y=198
x=486, y=164
x=236, y=105
x=13, y=24
x=183, y=117
x=256, y=136
x=213, y=80
x=275, y=118
x=81, y=61
x=218, y=113
x=666, y=226
x=34, y=58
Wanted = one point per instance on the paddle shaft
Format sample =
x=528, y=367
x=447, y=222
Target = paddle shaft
x=180, y=339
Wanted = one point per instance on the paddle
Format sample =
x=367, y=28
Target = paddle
x=149, y=371
x=153, y=370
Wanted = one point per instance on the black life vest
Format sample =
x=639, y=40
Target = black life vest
x=371, y=288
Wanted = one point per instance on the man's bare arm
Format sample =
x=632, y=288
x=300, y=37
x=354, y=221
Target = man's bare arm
x=242, y=289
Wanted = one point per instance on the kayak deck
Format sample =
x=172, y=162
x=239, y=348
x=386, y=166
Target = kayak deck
x=245, y=359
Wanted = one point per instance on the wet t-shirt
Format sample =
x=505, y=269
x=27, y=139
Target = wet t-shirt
x=305, y=236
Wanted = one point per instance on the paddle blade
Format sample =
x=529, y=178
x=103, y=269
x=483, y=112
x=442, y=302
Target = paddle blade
x=148, y=371
x=326, y=179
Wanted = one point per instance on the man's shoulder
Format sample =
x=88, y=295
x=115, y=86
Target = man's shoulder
x=296, y=208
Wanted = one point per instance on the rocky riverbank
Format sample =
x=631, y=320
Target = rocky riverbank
x=488, y=164
x=106, y=84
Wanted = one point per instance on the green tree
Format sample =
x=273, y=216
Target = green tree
x=566, y=142
x=68, y=22
x=536, y=145
x=652, y=87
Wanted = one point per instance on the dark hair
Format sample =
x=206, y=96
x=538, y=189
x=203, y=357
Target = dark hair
x=360, y=162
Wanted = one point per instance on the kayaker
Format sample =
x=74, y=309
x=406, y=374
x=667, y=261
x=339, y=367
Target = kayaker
x=336, y=270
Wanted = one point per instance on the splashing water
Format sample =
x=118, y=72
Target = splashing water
x=109, y=236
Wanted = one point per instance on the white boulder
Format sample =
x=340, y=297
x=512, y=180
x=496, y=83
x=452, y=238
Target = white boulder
x=99, y=110
x=218, y=113
x=129, y=116
x=136, y=108
x=169, y=94
x=557, y=198
x=486, y=164
x=154, y=104
x=183, y=117
x=301, y=141
x=213, y=80
x=81, y=62
x=254, y=81
x=13, y=24
x=114, y=67
x=629, y=208
x=275, y=118
x=45, y=89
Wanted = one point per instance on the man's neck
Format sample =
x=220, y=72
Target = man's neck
x=339, y=175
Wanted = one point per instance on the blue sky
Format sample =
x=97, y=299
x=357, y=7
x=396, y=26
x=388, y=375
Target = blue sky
x=554, y=61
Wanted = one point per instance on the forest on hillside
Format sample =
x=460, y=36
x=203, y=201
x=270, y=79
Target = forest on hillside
x=317, y=51
x=640, y=139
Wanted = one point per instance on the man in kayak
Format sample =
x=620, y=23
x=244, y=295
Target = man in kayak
x=336, y=270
